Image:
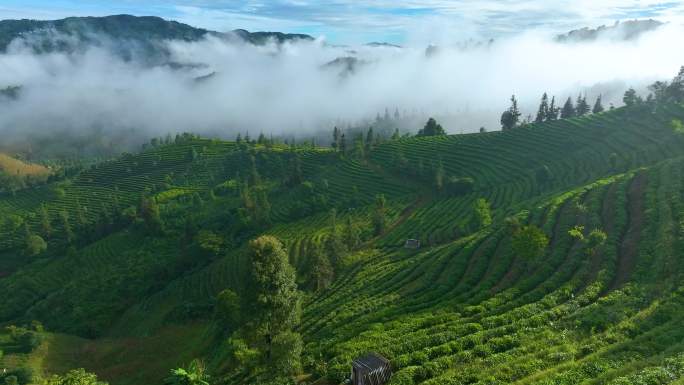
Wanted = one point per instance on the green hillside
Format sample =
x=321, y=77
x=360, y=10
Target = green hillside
x=139, y=251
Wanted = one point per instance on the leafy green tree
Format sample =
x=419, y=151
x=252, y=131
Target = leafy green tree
x=322, y=272
x=210, y=242
x=568, y=110
x=660, y=92
x=286, y=355
x=274, y=302
x=194, y=374
x=149, y=211
x=352, y=237
x=395, y=135
x=432, y=128
x=630, y=98
x=380, y=216
x=11, y=380
x=35, y=245
x=482, y=214
x=334, y=245
x=13, y=222
x=676, y=88
x=511, y=117
x=596, y=239
x=598, y=106
x=246, y=357
x=263, y=209
x=577, y=232
x=553, y=111
x=582, y=107
x=370, y=138
x=677, y=126
x=507, y=121
x=593, y=241
x=74, y=377
x=228, y=308
x=336, y=139
x=543, y=111
x=529, y=242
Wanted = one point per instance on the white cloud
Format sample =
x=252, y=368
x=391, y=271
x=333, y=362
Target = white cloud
x=284, y=89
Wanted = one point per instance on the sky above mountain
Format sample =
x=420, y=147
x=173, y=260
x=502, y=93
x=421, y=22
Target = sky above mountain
x=360, y=21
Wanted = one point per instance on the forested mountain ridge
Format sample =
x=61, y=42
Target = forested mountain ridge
x=128, y=35
x=626, y=31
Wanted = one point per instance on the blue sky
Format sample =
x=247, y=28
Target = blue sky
x=360, y=21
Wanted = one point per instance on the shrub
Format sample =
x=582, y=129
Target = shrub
x=529, y=242
x=35, y=245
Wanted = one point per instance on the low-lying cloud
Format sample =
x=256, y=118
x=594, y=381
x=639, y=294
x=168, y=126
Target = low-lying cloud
x=221, y=88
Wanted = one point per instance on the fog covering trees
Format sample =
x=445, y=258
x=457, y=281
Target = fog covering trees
x=218, y=87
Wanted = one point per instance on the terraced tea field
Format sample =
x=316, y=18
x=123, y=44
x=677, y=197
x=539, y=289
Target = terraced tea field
x=465, y=308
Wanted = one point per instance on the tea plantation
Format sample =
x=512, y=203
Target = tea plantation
x=552, y=253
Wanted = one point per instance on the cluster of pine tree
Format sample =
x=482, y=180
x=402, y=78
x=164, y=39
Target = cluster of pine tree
x=660, y=92
x=549, y=111
x=361, y=143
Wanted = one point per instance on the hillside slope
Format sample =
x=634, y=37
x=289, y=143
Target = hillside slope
x=14, y=166
x=466, y=308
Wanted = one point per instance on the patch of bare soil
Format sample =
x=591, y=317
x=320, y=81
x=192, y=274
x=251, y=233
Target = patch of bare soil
x=629, y=246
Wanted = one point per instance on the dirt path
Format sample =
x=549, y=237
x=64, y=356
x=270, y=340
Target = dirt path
x=629, y=246
x=608, y=223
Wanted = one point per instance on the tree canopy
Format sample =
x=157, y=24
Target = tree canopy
x=432, y=128
x=274, y=303
x=511, y=117
x=529, y=242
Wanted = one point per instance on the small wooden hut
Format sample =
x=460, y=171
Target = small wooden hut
x=372, y=369
x=412, y=244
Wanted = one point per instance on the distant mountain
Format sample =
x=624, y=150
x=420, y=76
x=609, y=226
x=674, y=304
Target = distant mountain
x=346, y=66
x=261, y=38
x=129, y=36
x=628, y=30
x=382, y=45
